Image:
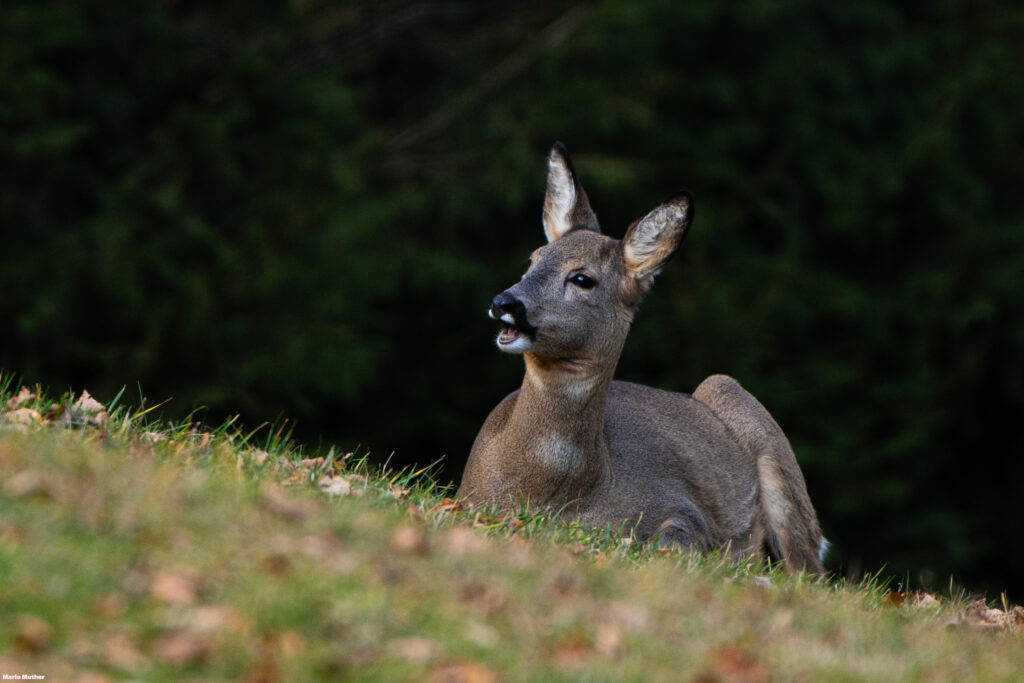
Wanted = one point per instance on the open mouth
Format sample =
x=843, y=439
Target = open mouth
x=509, y=333
x=516, y=333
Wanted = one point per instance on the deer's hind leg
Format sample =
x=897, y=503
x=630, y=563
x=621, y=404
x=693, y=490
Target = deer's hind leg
x=792, y=530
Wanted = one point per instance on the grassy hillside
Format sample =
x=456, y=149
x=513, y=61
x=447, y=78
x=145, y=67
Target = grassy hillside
x=131, y=549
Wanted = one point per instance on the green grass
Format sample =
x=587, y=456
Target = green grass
x=135, y=549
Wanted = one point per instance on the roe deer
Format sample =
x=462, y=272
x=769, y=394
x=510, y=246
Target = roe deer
x=703, y=470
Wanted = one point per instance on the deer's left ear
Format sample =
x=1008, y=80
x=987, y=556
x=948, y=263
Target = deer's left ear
x=652, y=240
x=566, y=206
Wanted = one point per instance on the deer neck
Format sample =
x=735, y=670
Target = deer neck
x=559, y=423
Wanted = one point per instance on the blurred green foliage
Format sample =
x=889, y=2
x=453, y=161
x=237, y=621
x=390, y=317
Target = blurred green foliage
x=304, y=208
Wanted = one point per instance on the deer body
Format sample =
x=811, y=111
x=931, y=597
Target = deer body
x=707, y=469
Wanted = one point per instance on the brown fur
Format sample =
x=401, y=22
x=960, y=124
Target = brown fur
x=708, y=469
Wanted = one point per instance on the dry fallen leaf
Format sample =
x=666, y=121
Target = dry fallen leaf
x=182, y=647
x=121, y=653
x=486, y=597
x=335, y=486
x=93, y=677
x=23, y=416
x=410, y=539
x=448, y=505
x=213, y=618
x=463, y=672
x=732, y=662
x=609, y=640
x=312, y=463
x=289, y=643
x=177, y=586
x=289, y=509
x=88, y=404
x=461, y=541
x=398, y=492
x=415, y=648
x=111, y=605
x=29, y=483
x=95, y=413
x=265, y=670
x=915, y=599
x=32, y=634
x=981, y=615
x=24, y=395
x=572, y=651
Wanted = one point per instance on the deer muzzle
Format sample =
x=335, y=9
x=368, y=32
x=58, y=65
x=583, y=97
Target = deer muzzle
x=511, y=312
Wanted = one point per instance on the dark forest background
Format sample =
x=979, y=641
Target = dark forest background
x=302, y=209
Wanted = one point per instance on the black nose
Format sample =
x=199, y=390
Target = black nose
x=506, y=303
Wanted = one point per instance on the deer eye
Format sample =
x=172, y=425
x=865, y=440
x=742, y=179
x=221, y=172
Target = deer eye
x=582, y=281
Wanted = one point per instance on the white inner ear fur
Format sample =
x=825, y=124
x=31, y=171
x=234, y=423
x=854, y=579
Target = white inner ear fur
x=654, y=238
x=560, y=198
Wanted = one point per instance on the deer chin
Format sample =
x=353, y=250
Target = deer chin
x=511, y=339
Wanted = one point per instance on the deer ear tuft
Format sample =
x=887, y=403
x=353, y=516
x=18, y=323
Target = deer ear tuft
x=652, y=240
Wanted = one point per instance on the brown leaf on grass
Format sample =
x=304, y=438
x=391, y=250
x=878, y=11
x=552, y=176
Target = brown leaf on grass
x=564, y=585
x=292, y=510
x=182, y=647
x=88, y=404
x=92, y=677
x=572, y=651
x=12, y=534
x=176, y=586
x=23, y=416
x=448, y=505
x=91, y=411
x=277, y=564
x=335, y=486
x=466, y=671
x=121, y=653
x=979, y=614
x=609, y=640
x=731, y=662
x=629, y=615
x=415, y=511
x=915, y=599
x=461, y=541
x=410, y=540
x=486, y=597
x=415, y=648
x=29, y=484
x=265, y=670
x=312, y=463
x=155, y=437
x=398, y=492
x=217, y=618
x=32, y=634
x=289, y=642
x=111, y=605
x=24, y=395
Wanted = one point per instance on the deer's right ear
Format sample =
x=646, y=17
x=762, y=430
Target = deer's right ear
x=651, y=241
x=566, y=206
